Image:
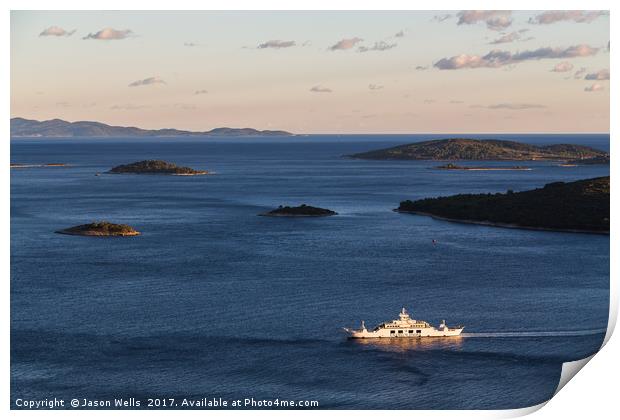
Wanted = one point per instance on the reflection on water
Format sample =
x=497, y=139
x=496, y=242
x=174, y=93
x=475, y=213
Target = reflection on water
x=411, y=344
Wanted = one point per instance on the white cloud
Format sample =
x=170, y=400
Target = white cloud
x=277, y=44
x=441, y=18
x=495, y=19
x=201, y=92
x=579, y=16
x=109, y=34
x=378, y=46
x=320, y=89
x=147, y=81
x=498, y=58
x=375, y=87
x=594, y=88
x=510, y=106
x=345, y=44
x=562, y=67
x=506, y=38
x=128, y=107
x=580, y=73
x=599, y=75
x=56, y=31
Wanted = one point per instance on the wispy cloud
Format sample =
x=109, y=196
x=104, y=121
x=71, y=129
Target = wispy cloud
x=579, y=16
x=277, y=44
x=56, y=31
x=495, y=20
x=599, y=75
x=193, y=44
x=421, y=68
x=498, y=58
x=147, y=81
x=185, y=107
x=378, y=46
x=399, y=34
x=375, y=87
x=441, y=18
x=201, y=92
x=345, y=44
x=596, y=87
x=320, y=89
x=128, y=107
x=506, y=38
x=510, y=106
x=580, y=73
x=109, y=34
x=562, y=67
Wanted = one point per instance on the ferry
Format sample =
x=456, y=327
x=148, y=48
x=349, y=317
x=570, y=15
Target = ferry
x=405, y=327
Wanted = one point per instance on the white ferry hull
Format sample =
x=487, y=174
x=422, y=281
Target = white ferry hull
x=425, y=332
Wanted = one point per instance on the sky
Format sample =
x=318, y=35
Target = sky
x=316, y=71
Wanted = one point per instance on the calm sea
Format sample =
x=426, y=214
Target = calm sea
x=213, y=301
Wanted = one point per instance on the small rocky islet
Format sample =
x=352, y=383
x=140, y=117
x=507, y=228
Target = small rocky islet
x=156, y=167
x=299, y=211
x=102, y=228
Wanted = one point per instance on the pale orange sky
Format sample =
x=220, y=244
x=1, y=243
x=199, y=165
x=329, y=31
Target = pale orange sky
x=315, y=72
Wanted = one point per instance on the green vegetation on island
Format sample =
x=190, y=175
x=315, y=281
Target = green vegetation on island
x=580, y=206
x=472, y=149
x=300, y=211
x=154, y=167
x=102, y=228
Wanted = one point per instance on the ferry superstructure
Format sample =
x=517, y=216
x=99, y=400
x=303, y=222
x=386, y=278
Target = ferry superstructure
x=405, y=327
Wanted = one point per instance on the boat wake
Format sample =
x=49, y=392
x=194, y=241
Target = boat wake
x=533, y=333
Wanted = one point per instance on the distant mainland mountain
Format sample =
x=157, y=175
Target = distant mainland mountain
x=579, y=206
x=21, y=127
x=473, y=149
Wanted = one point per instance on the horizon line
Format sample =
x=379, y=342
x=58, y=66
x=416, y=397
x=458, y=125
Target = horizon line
x=333, y=133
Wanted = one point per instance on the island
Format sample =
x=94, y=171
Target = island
x=452, y=167
x=102, y=228
x=474, y=149
x=155, y=167
x=22, y=127
x=37, y=165
x=299, y=211
x=596, y=160
x=579, y=206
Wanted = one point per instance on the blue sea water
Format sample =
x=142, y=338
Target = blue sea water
x=214, y=301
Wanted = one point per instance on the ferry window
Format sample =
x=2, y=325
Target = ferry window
x=410, y=331
x=392, y=332
x=419, y=331
x=400, y=331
